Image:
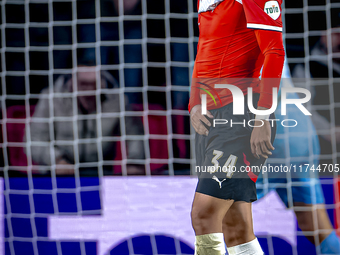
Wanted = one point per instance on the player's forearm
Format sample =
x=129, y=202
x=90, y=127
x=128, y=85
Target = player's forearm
x=271, y=78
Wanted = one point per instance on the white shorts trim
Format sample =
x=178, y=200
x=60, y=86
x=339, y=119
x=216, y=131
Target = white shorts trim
x=265, y=27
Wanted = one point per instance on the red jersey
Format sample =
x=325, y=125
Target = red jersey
x=233, y=44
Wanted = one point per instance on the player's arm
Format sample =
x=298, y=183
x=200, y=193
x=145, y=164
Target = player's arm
x=271, y=45
x=194, y=107
x=265, y=18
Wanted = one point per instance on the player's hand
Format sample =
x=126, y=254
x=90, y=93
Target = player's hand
x=197, y=119
x=260, y=140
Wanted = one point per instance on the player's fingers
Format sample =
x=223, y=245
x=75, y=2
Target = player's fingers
x=203, y=130
x=195, y=121
x=205, y=120
x=196, y=117
x=196, y=127
x=210, y=115
x=253, y=149
x=269, y=145
x=197, y=124
x=264, y=149
x=199, y=128
x=259, y=151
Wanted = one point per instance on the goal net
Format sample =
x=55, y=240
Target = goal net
x=95, y=93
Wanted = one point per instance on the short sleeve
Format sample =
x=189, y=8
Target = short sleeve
x=262, y=14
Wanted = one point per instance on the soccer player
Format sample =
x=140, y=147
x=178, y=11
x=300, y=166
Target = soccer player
x=237, y=39
x=304, y=189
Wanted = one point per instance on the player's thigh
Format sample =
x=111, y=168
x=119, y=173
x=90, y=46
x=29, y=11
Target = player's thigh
x=237, y=224
x=207, y=212
x=208, y=206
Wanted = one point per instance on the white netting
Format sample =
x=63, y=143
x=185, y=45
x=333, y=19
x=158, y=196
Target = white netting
x=119, y=68
x=145, y=51
x=36, y=35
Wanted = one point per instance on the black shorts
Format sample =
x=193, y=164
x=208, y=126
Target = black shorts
x=227, y=147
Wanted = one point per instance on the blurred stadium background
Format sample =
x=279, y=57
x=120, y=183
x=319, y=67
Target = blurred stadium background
x=96, y=147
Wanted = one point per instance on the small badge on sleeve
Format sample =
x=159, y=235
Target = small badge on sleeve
x=272, y=8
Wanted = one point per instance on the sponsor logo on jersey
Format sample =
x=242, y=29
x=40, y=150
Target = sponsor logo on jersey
x=272, y=8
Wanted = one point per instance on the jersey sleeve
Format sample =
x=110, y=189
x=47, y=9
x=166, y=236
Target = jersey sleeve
x=263, y=14
x=265, y=17
x=271, y=45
